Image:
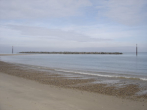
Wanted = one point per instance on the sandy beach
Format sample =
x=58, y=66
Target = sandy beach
x=25, y=88
x=12, y=54
x=22, y=94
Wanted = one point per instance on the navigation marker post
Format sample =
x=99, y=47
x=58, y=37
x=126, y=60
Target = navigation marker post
x=12, y=49
x=136, y=50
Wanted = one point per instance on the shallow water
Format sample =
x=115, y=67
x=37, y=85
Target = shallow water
x=127, y=65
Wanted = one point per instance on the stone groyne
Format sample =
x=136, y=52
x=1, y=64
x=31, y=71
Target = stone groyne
x=72, y=52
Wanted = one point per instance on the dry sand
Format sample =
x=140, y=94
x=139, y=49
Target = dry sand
x=22, y=94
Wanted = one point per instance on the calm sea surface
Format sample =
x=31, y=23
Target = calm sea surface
x=127, y=65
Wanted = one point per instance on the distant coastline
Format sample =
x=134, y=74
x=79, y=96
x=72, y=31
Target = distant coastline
x=72, y=52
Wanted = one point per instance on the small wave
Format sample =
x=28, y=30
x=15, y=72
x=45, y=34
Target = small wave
x=143, y=79
x=101, y=75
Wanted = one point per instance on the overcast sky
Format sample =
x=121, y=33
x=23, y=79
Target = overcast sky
x=73, y=25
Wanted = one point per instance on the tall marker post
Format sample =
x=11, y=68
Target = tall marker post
x=12, y=49
x=136, y=50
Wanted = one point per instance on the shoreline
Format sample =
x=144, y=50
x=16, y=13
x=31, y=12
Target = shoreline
x=50, y=78
x=31, y=88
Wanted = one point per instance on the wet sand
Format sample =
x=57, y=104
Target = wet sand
x=46, y=77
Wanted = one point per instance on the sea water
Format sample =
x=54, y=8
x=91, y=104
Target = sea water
x=126, y=65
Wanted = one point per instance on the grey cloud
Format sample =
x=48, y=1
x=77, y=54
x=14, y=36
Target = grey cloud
x=34, y=9
x=41, y=32
x=128, y=12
